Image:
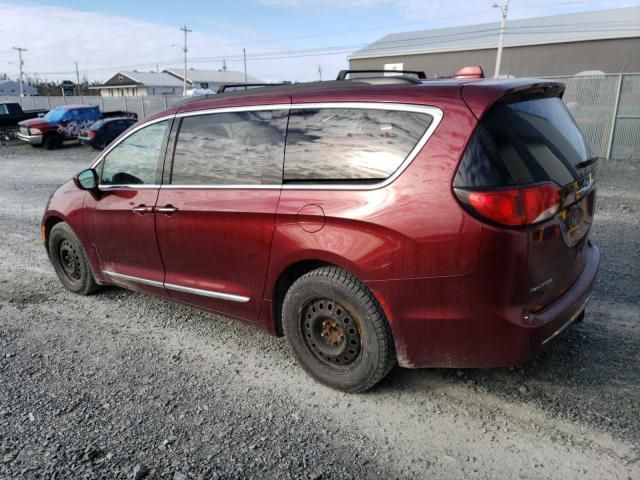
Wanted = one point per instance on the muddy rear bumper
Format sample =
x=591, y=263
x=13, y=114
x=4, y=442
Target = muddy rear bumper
x=455, y=322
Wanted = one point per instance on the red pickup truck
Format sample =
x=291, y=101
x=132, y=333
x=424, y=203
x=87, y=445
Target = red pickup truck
x=62, y=124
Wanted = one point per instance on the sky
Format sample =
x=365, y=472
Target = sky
x=284, y=39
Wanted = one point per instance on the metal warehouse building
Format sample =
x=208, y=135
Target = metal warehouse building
x=605, y=40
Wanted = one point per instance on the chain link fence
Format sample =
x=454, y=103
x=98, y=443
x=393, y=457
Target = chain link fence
x=606, y=108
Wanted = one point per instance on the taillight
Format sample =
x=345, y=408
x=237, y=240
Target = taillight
x=514, y=207
x=91, y=134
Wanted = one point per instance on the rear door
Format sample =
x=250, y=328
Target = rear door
x=535, y=142
x=216, y=209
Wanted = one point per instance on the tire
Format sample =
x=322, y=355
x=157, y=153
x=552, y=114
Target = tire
x=338, y=330
x=70, y=261
x=52, y=142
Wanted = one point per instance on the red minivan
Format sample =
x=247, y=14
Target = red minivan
x=372, y=221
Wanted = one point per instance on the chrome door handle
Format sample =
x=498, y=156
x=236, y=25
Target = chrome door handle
x=142, y=209
x=166, y=210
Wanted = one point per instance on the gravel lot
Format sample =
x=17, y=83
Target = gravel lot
x=120, y=385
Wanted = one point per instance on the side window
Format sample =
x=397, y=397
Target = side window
x=67, y=116
x=343, y=144
x=136, y=159
x=230, y=149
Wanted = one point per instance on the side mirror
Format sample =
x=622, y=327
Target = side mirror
x=87, y=180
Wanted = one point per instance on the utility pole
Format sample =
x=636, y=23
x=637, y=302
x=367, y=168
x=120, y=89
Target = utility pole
x=320, y=71
x=184, y=49
x=224, y=65
x=244, y=58
x=504, y=8
x=77, y=78
x=20, y=65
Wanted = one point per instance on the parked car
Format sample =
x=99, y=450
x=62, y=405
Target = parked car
x=11, y=114
x=103, y=132
x=62, y=124
x=372, y=221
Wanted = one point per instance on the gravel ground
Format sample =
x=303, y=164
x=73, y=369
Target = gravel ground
x=121, y=385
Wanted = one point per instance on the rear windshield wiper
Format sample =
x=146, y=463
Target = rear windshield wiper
x=587, y=162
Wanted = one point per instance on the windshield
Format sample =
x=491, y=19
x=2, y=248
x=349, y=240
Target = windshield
x=55, y=115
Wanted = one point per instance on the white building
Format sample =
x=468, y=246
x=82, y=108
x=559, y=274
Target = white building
x=133, y=83
x=210, y=79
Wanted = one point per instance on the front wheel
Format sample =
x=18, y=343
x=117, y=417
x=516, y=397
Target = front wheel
x=69, y=260
x=338, y=330
x=52, y=142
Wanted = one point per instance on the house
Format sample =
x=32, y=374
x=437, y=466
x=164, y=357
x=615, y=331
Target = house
x=134, y=83
x=210, y=79
x=604, y=40
x=11, y=88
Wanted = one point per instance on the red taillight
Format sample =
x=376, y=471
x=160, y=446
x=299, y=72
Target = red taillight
x=91, y=134
x=514, y=206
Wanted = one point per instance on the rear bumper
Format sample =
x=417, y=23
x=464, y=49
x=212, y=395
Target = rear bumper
x=32, y=139
x=447, y=322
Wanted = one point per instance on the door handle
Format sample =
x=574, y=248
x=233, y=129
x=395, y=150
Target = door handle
x=166, y=210
x=142, y=209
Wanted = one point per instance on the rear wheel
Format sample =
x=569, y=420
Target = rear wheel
x=337, y=330
x=69, y=260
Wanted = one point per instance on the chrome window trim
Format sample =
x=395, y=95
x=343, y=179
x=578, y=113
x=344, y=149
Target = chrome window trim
x=178, y=288
x=140, y=186
x=248, y=186
x=436, y=113
x=105, y=152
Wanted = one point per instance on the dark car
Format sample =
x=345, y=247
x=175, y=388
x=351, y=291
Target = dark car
x=62, y=124
x=372, y=221
x=103, y=132
x=11, y=114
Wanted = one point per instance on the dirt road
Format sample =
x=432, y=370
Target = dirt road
x=120, y=385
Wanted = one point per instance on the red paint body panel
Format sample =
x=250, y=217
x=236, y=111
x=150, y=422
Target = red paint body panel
x=218, y=240
x=122, y=241
x=456, y=291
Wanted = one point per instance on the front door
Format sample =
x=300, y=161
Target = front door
x=120, y=222
x=215, y=217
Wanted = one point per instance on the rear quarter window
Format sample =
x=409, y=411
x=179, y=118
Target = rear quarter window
x=350, y=144
x=521, y=143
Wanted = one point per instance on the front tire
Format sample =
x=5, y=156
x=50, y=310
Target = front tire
x=52, y=142
x=338, y=330
x=70, y=261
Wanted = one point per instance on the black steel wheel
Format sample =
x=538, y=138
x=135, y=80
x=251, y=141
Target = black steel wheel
x=69, y=260
x=337, y=330
x=330, y=332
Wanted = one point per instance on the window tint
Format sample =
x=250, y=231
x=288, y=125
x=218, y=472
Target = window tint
x=350, y=144
x=523, y=142
x=230, y=148
x=136, y=159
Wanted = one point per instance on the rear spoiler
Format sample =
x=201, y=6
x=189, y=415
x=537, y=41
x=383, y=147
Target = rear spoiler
x=480, y=96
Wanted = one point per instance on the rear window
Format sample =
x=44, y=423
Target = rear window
x=345, y=144
x=523, y=142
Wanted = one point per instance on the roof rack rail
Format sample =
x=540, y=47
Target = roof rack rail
x=343, y=73
x=246, y=86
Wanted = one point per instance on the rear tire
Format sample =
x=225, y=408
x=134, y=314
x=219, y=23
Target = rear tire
x=338, y=330
x=70, y=261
